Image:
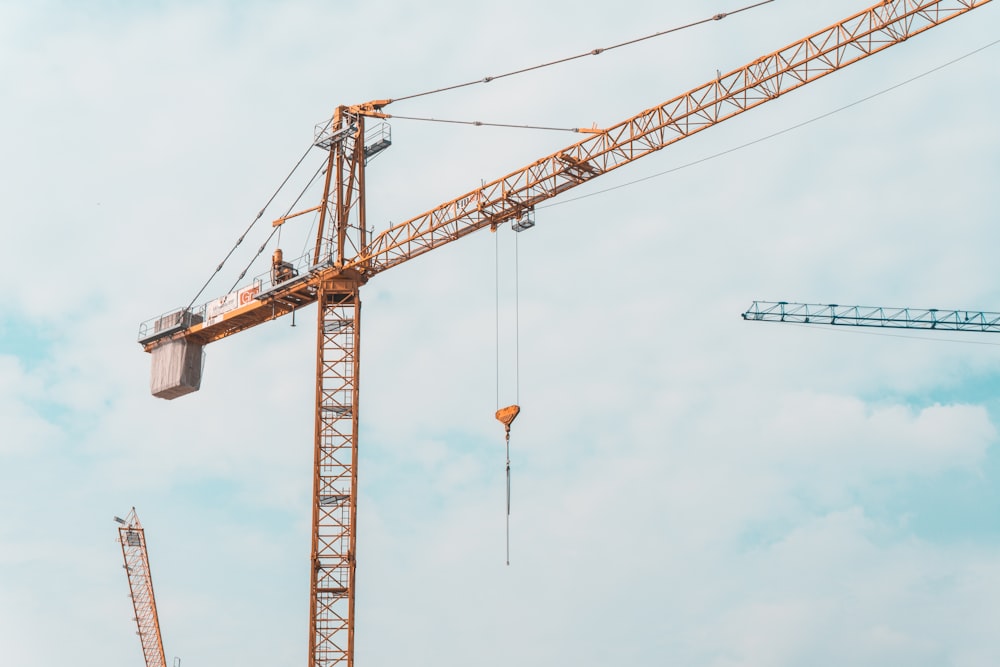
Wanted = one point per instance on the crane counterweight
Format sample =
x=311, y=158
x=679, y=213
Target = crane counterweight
x=176, y=369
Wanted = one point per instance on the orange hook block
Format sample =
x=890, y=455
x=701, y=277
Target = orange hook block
x=507, y=415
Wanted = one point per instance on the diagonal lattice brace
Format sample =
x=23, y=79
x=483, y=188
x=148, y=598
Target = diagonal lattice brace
x=334, y=504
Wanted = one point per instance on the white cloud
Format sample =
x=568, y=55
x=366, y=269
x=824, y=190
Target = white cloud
x=687, y=487
x=25, y=427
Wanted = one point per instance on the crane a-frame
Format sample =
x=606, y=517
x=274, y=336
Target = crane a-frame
x=140, y=582
x=344, y=258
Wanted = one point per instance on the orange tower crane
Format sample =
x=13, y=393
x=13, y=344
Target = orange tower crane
x=140, y=583
x=344, y=258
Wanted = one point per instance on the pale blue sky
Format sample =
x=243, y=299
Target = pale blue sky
x=689, y=488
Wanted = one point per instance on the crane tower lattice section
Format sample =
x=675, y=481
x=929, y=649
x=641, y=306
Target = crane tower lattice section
x=335, y=474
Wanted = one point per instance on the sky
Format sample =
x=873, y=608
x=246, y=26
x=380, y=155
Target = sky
x=688, y=488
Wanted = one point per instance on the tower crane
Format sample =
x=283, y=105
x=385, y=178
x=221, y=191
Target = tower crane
x=344, y=258
x=928, y=319
x=140, y=583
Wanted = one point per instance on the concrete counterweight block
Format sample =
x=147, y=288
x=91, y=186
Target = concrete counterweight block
x=176, y=369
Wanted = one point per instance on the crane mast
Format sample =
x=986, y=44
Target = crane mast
x=929, y=319
x=344, y=259
x=140, y=583
x=335, y=474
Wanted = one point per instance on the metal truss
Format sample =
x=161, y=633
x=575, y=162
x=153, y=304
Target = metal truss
x=334, y=507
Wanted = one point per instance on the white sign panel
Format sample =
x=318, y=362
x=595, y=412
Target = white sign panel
x=217, y=308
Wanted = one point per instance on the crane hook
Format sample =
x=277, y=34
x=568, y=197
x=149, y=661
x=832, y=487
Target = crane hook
x=506, y=417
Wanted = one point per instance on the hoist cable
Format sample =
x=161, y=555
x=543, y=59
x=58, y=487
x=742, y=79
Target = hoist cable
x=517, y=372
x=496, y=282
x=507, y=418
x=508, y=497
x=496, y=286
x=592, y=52
x=517, y=326
x=773, y=134
x=250, y=227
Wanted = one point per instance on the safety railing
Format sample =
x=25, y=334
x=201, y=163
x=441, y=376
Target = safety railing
x=213, y=311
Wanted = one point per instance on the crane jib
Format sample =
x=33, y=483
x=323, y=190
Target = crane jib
x=504, y=199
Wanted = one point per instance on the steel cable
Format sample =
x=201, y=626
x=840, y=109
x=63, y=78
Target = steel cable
x=592, y=52
x=773, y=134
x=248, y=229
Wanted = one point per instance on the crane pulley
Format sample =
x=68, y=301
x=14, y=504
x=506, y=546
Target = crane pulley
x=344, y=257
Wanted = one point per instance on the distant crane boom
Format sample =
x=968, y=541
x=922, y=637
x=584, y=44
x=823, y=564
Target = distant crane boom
x=873, y=316
x=140, y=583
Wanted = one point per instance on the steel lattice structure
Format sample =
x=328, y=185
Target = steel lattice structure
x=344, y=259
x=331, y=635
x=140, y=583
x=842, y=44
x=873, y=316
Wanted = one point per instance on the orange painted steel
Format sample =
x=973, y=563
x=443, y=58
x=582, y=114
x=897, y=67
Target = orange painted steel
x=343, y=259
x=140, y=583
x=335, y=474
